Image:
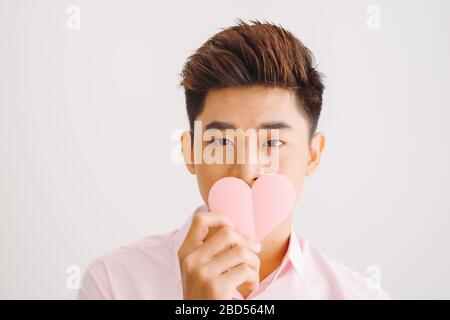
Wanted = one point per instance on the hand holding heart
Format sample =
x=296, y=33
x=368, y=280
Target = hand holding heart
x=212, y=268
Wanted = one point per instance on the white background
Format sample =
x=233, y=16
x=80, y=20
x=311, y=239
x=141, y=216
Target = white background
x=86, y=118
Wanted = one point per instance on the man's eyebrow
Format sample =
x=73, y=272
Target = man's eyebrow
x=274, y=125
x=265, y=125
x=219, y=125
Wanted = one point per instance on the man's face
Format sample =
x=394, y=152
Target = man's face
x=285, y=138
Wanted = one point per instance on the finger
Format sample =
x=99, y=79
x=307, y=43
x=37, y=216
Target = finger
x=232, y=258
x=239, y=275
x=201, y=222
x=223, y=240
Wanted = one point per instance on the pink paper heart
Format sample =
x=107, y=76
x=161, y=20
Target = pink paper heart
x=256, y=211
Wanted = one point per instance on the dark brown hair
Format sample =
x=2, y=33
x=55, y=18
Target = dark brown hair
x=253, y=54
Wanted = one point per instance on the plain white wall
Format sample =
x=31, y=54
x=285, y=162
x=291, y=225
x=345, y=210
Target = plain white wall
x=87, y=116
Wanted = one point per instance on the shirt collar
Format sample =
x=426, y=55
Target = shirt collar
x=294, y=253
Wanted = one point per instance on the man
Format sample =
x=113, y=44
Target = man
x=255, y=76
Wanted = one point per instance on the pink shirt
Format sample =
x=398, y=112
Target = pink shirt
x=149, y=269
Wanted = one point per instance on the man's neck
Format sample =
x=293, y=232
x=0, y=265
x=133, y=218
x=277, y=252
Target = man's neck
x=272, y=253
x=274, y=249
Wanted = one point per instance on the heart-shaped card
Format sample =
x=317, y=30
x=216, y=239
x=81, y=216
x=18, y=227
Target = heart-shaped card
x=255, y=211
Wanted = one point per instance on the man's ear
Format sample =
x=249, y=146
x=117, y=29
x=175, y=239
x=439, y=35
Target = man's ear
x=315, y=152
x=187, y=148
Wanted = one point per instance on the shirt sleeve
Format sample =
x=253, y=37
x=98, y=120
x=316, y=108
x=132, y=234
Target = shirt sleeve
x=94, y=283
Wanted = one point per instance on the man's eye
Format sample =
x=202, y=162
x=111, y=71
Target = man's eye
x=274, y=143
x=221, y=142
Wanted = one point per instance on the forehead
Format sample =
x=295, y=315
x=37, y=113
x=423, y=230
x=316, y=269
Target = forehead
x=246, y=107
